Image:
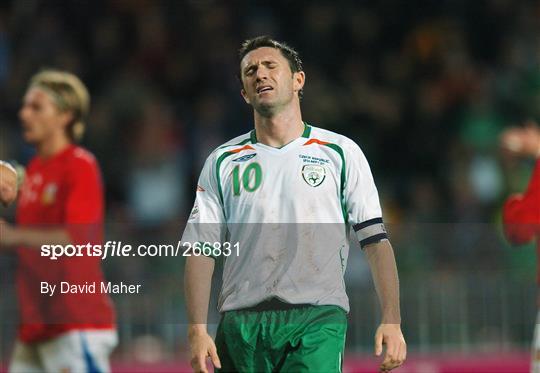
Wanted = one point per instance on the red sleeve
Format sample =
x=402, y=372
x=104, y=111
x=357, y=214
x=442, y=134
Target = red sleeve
x=84, y=201
x=521, y=213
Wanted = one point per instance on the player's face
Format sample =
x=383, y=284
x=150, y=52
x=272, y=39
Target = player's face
x=40, y=117
x=268, y=82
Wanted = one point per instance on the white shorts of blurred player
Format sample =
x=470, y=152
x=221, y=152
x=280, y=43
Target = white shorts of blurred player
x=535, y=361
x=77, y=351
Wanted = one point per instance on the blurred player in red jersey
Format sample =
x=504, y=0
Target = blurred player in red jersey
x=60, y=202
x=521, y=213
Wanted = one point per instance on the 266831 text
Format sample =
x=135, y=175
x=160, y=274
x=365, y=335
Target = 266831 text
x=213, y=249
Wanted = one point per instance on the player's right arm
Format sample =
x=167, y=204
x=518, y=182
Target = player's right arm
x=205, y=224
x=521, y=212
x=197, y=282
x=8, y=183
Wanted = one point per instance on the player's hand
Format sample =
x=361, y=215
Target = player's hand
x=396, y=348
x=522, y=141
x=202, y=346
x=8, y=185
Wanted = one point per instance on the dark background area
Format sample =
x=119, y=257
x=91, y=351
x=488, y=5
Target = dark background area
x=424, y=87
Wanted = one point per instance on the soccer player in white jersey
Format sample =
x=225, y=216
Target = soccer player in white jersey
x=281, y=200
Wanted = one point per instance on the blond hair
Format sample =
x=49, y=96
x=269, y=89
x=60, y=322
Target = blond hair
x=69, y=94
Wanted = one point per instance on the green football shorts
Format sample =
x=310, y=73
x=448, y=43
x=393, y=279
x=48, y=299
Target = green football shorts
x=294, y=338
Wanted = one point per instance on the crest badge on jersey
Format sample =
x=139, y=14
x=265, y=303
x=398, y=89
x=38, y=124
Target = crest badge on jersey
x=313, y=174
x=49, y=194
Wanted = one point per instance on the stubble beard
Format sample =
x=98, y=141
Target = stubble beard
x=266, y=110
x=269, y=109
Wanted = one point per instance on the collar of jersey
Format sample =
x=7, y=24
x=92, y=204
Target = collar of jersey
x=56, y=157
x=305, y=134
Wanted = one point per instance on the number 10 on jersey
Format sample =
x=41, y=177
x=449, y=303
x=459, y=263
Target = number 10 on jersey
x=250, y=179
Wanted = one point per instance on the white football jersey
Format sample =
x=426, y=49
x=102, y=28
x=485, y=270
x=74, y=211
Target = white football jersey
x=289, y=211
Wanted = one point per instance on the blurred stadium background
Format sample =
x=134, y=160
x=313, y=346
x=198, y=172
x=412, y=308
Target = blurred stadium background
x=424, y=87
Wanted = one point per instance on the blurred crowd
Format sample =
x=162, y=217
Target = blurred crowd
x=424, y=87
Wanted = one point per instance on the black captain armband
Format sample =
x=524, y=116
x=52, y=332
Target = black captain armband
x=370, y=231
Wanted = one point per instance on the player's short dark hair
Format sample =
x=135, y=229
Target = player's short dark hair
x=292, y=56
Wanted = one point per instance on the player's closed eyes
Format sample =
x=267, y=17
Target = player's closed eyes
x=251, y=70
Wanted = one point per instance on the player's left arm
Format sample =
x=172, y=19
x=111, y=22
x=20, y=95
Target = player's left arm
x=365, y=214
x=382, y=263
